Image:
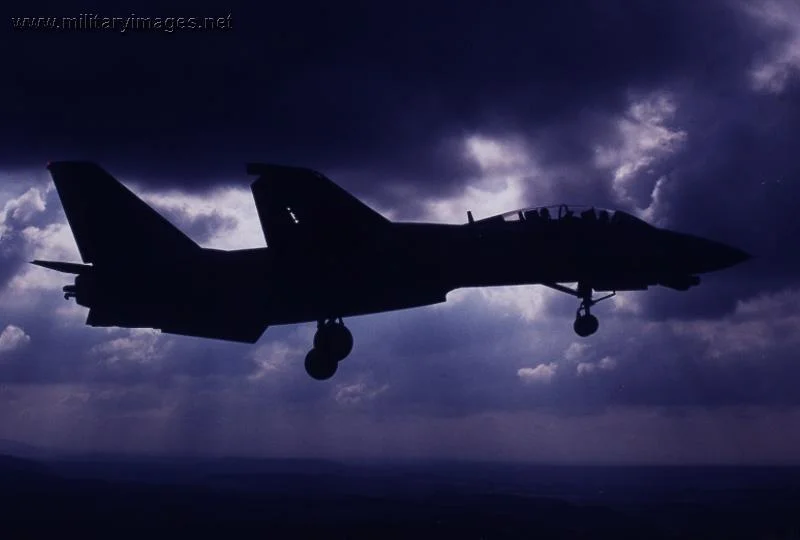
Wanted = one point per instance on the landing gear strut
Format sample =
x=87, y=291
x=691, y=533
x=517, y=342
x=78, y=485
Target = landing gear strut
x=585, y=323
x=332, y=343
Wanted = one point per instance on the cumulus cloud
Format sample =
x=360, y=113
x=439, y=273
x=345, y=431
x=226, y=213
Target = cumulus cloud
x=16, y=229
x=606, y=363
x=575, y=351
x=527, y=302
x=19, y=211
x=13, y=337
x=140, y=346
x=224, y=218
x=637, y=161
x=543, y=373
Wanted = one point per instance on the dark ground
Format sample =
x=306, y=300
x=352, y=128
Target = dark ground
x=298, y=498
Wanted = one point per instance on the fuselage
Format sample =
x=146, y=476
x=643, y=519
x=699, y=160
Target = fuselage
x=416, y=264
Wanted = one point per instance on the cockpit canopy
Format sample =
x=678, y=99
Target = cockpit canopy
x=566, y=213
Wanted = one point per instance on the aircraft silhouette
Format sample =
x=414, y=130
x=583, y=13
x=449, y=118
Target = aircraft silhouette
x=330, y=256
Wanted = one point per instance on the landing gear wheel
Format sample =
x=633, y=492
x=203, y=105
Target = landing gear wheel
x=585, y=325
x=334, y=339
x=320, y=366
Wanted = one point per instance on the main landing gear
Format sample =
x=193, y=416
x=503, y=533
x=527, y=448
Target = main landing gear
x=585, y=323
x=332, y=343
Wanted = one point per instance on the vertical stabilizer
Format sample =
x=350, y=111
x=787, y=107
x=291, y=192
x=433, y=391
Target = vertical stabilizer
x=110, y=223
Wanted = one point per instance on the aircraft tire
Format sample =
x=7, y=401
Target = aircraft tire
x=335, y=339
x=586, y=325
x=320, y=366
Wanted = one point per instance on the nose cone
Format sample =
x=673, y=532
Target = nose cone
x=730, y=256
x=704, y=255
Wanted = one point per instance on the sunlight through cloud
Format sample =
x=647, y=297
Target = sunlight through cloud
x=505, y=165
x=644, y=139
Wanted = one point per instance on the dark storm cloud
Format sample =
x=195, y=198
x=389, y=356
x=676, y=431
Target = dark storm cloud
x=737, y=182
x=378, y=89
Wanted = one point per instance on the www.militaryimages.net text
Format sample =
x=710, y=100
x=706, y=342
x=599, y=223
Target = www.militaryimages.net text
x=128, y=23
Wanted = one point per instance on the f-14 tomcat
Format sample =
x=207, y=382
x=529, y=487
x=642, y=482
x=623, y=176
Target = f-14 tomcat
x=330, y=256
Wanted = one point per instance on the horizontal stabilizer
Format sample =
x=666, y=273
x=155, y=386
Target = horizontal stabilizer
x=66, y=267
x=204, y=323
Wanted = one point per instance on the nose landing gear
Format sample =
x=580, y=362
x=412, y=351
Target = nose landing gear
x=585, y=323
x=332, y=344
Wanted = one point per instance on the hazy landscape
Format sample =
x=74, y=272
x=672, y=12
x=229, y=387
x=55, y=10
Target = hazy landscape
x=395, y=499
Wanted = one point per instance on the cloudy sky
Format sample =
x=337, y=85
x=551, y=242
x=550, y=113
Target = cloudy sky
x=685, y=113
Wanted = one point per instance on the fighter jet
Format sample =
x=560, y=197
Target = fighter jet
x=330, y=256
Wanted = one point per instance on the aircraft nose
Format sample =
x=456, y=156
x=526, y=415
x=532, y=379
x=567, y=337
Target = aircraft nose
x=731, y=256
x=709, y=255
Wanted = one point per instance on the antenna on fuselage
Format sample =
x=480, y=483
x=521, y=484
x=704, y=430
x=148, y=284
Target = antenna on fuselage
x=470, y=219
